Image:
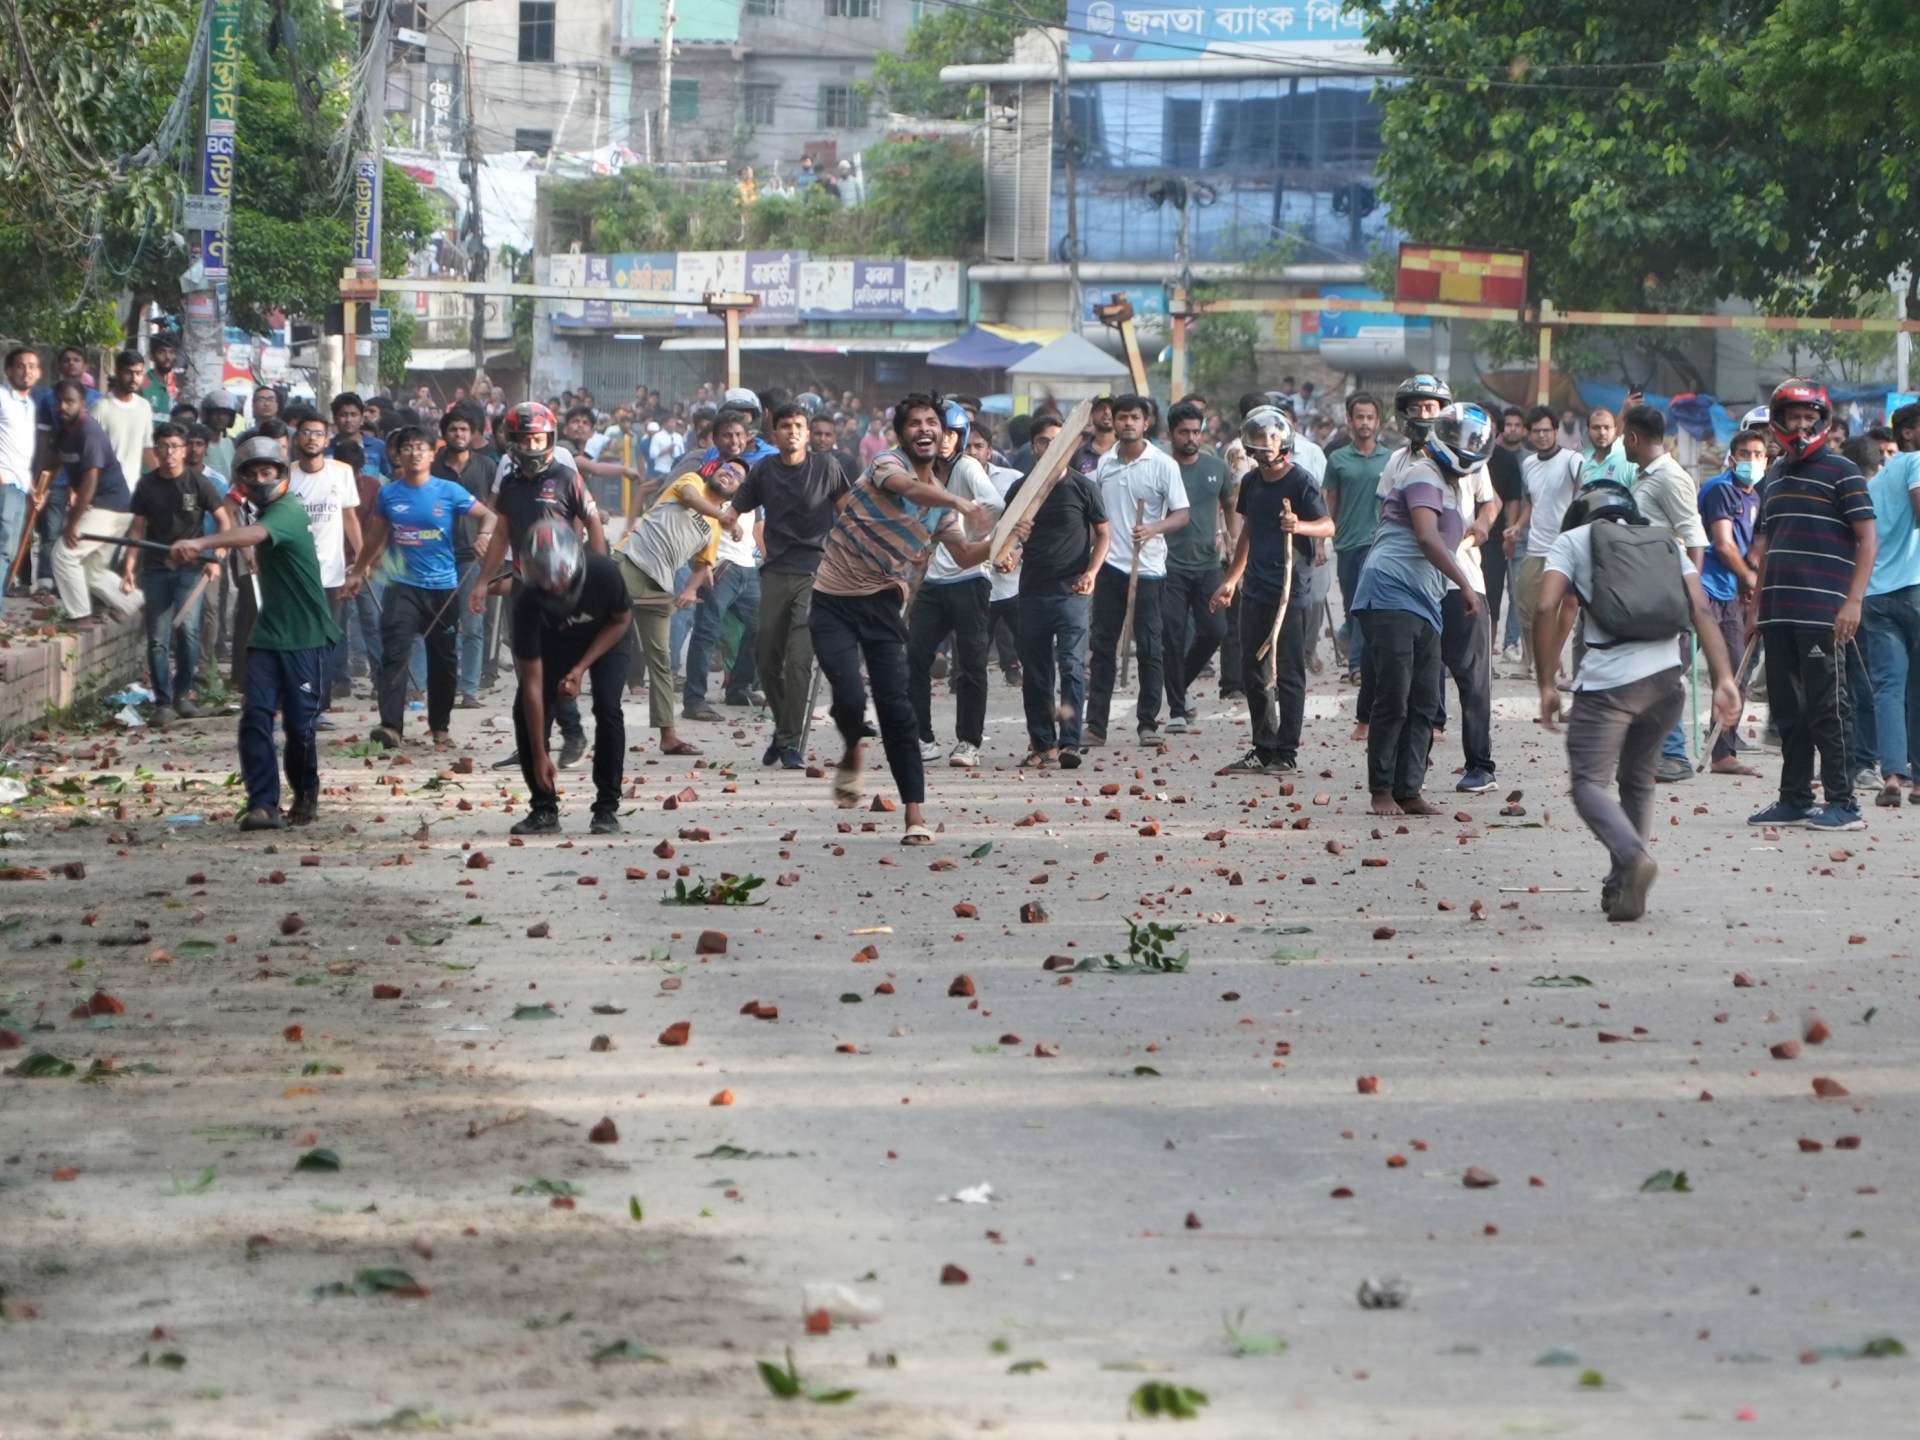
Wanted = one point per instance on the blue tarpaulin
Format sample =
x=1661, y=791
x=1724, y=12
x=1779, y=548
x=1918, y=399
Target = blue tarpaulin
x=1698, y=415
x=980, y=349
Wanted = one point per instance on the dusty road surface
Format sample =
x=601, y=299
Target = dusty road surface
x=327, y=1163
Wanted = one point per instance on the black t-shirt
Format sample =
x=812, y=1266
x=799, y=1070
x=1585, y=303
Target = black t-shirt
x=476, y=478
x=524, y=501
x=1259, y=511
x=799, y=502
x=174, y=510
x=1058, y=552
x=1503, y=469
x=559, y=641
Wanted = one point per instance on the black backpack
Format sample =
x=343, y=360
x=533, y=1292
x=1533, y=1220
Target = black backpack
x=1639, y=592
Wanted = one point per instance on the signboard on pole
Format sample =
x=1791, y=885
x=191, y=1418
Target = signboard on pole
x=223, y=108
x=366, y=213
x=380, y=323
x=1445, y=274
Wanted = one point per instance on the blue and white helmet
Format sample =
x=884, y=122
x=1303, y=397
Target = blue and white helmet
x=1460, y=438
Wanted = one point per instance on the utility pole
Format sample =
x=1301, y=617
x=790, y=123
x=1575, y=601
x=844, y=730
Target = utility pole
x=1075, y=298
x=476, y=229
x=667, y=18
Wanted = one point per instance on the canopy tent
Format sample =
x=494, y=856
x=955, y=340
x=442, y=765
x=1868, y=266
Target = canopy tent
x=990, y=347
x=1069, y=358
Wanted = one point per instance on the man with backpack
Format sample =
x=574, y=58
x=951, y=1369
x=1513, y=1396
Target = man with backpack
x=1637, y=593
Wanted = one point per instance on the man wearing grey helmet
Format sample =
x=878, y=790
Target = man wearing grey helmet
x=292, y=640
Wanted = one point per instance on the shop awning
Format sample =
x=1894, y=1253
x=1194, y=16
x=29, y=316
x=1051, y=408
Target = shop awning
x=808, y=344
x=990, y=347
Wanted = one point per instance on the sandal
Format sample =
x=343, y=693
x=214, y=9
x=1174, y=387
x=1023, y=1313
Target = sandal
x=682, y=748
x=705, y=712
x=846, y=788
x=1035, y=761
x=917, y=835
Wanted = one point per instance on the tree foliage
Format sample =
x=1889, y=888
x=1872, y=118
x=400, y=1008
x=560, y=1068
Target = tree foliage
x=1658, y=154
x=909, y=83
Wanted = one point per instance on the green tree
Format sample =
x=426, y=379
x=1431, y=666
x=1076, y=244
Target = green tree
x=909, y=83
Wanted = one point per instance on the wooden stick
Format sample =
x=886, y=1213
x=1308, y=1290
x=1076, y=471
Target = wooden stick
x=1040, y=480
x=1286, y=594
x=26, y=537
x=1740, y=676
x=1133, y=584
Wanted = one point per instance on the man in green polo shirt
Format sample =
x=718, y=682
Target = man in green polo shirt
x=288, y=650
x=1193, y=562
x=1352, y=486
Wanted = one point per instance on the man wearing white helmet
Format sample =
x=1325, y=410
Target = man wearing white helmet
x=292, y=639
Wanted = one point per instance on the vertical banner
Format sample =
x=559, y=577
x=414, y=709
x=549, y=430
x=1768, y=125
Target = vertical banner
x=366, y=214
x=223, y=108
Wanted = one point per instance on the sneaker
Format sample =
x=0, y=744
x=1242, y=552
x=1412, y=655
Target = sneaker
x=163, y=715
x=1251, y=763
x=383, y=737
x=260, y=818
x=1630, y=899
x=1176, y=725
x=604, y=822
x=572, y=747
x=1781, y=813
x=1868, y=778
x=467, y=702
x=187, y=710
x=509, y=761
x=1475, y=782
x=1511, y=655
x=1230, y=693
x=323, y=723
x=1069, y=759
x=772, y=755
x=1013, y=677
x=930, y=750
x=792, y=759
x=541, y=820
x=1672, y=770
x=1286, y=766
x=1836, y=817
x=306, y=809
x=964, y=756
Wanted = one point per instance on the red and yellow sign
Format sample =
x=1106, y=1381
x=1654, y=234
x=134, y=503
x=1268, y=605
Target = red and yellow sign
x=1463, y=277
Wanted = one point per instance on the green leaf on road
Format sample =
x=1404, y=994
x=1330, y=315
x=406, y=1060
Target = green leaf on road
x=634, y=1209
x=626, y=1350
x=1666, y=1182
x=1557, y=982
x=320, y=1159
x=1159, y=1398
x=549, y=1187
x=1026, y=1367
x=43, y=1065
x=980, y=852
x=199, y=1185
x=534, y=1012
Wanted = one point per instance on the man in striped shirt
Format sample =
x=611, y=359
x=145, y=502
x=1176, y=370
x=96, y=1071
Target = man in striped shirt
x=1813, y=554
x=881, y=539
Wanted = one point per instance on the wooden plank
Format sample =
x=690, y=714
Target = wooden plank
x=1041, y=479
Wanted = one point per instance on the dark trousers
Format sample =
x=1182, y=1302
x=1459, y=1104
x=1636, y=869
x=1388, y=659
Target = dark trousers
x=1493, y=569
x=52, y=520
x=1005, y=626
x=785, y=652
x=245, y=612
x=1187, y=604
x=608, y=677
x=1053, y=637
x=291, y=683
x=846, y=628
x=1103, y=656
x=1403, y=656
x=1466, y=650
x=1348, y=565
x=409, y=613
x=1277, y=685
x=1807, y=690
x=960, y=609
x=1732, y=621
x=173, y=654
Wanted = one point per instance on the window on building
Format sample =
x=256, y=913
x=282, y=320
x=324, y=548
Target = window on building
x=850, y=9
x=842, y=107
x=773, y=8
x=685, y=104
x=1180, y=137
x=761, y=103
x=536, y=30
x=538, y=141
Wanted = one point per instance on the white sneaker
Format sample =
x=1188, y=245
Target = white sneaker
x=930, y=750
x=1511, y=655
x=964, y=756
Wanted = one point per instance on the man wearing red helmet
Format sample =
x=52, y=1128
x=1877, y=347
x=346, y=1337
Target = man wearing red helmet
x=1813, y=557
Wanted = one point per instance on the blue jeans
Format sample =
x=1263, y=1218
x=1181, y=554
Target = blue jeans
x=1890, y=631
x=1053, y=633
x=1675, y=745
x=1348, y=564
x=681, y=627
x=293, y=683
x=53, y=519
x=472, y=635
x=172, y=670
x=362, y=626
x=736, y=592
x=13, y=525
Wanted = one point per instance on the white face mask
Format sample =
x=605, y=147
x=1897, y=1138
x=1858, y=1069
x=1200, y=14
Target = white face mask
x=1748, y=472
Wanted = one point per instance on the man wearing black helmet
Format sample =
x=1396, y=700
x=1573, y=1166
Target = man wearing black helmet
x=571, y=619
x=1400, y=593
x=1627, y=694
x=291, y=642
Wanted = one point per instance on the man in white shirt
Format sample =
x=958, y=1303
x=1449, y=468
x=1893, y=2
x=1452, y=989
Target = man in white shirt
x=954, y=600
x=1550, y=477
x=734, y=590
x=1627, y=696
x=19, y=446
x=665, y=445
x=125, y=414
x=1145, y=500
x=331, y=493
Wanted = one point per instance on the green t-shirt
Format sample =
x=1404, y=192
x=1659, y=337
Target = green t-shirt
x=294, y=613
x=1353, y=483
x=159, y=399
x=1207, y=480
